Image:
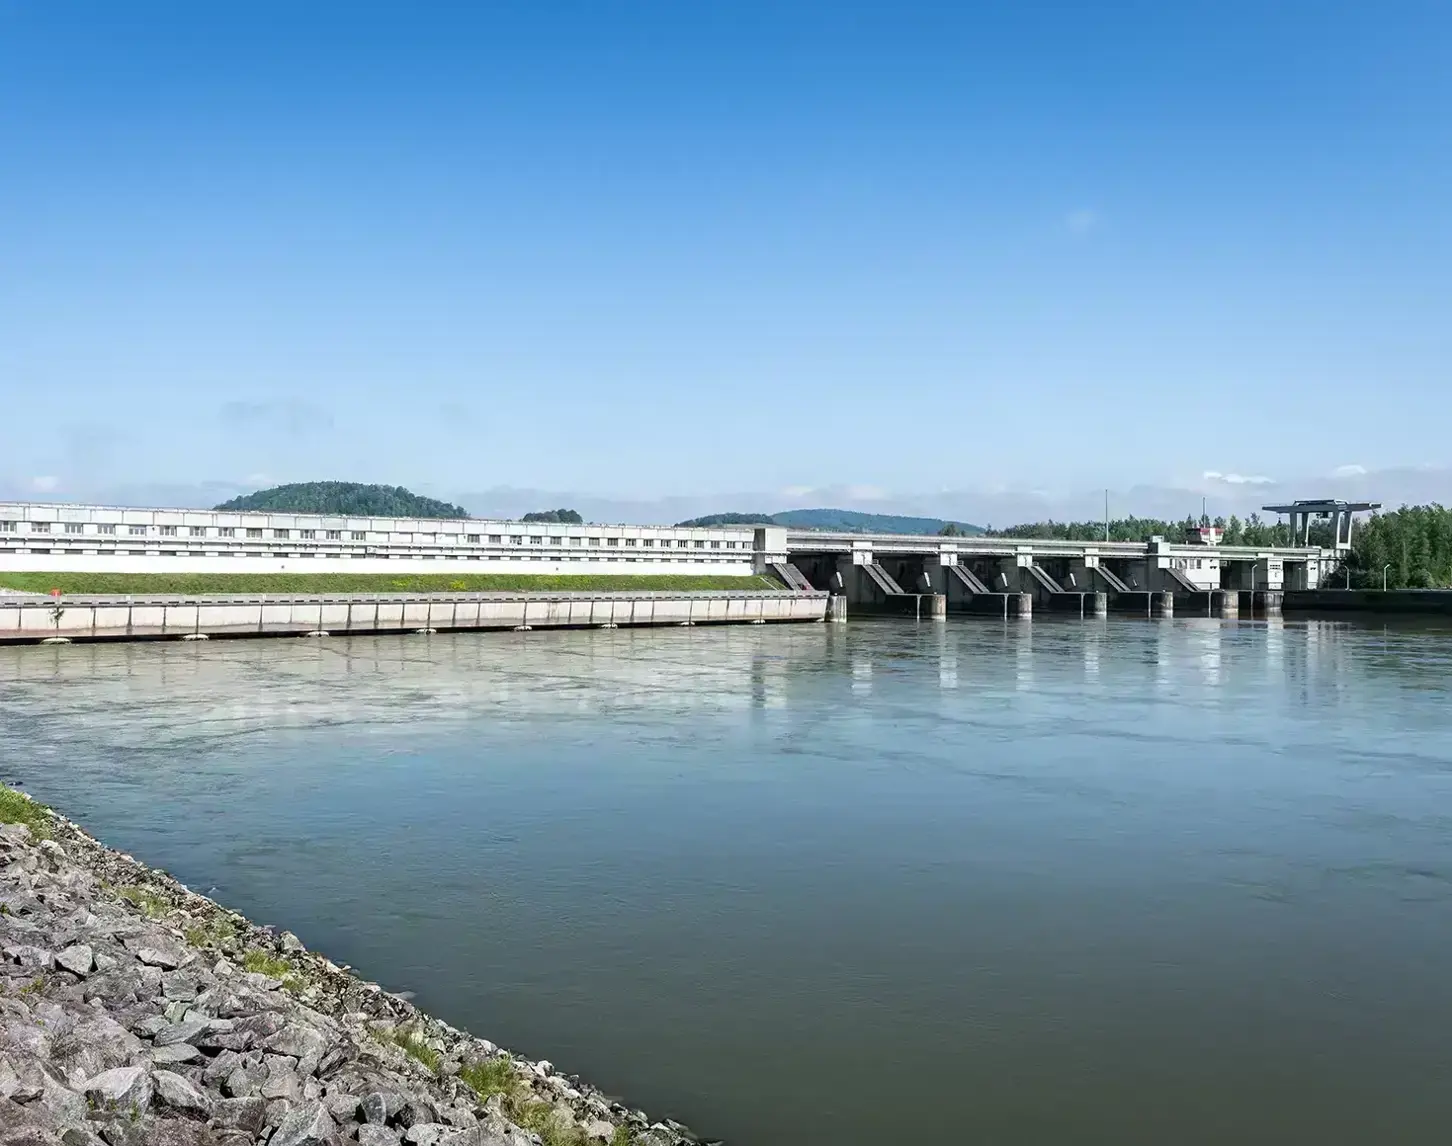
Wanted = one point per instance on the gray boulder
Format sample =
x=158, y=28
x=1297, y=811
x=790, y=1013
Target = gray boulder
x=309, y=1125
x=281, y=1081
x=239, y=1114
x=302, y=1043
x=180, y=1093
x=179, y=986
x=61, y=1100
x=183, y=1032
x=220, y=1067
x=178, y=1132
x=174, y=1055
x=125, y=1088
x=78, y=959
x=418, y=1111
x=157, y=952
x=383, y=1106
x=342, y=1105
x=121, y=1130
x=30, y=957
x=244, y=1080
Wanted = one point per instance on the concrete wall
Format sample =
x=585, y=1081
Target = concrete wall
x=101, y=617
x=1404, y=601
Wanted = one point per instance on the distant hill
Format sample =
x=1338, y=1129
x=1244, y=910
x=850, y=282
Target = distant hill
x=555, y=517
x=344, y=498
x=839, y=520
x=731, y=519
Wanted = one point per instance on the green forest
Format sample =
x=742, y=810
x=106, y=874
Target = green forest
x=555, y=517
x=1251, y=531
x=344, y=498
x=1415, y=541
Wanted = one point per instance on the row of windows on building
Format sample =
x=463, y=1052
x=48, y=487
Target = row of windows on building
x=362, y=556
x=106, y=530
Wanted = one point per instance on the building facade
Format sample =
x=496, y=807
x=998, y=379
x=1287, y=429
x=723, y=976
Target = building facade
x=112, y=539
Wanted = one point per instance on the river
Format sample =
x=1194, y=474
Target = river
x=1118, y=881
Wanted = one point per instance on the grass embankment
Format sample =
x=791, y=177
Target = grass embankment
x=18, y=808
x=244, y=583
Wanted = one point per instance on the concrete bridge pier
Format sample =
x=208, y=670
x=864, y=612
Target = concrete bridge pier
x=1207, y=603
x=1260, y=602
x=853, y=584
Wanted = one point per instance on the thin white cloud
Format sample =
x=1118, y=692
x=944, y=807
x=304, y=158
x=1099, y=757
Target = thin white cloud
x=1238, y=479
x=45, y=484
x=1083, y=220
x=865, y=492
x=1346, y=471
x=797, y=491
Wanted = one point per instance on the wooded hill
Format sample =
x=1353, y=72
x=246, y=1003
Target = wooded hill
x=344, y=499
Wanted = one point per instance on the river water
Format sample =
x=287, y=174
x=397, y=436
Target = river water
x=1117, y=881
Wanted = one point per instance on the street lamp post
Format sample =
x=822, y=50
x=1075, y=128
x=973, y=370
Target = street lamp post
x=1384, y=568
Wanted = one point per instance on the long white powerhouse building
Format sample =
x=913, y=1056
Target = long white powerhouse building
x=111, y=539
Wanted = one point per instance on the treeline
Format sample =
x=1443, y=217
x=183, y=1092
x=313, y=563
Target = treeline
x=1251, y=531
x=1415, y=541
x=555, y=516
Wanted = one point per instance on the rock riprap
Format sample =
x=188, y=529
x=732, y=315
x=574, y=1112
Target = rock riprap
x=135, y=1012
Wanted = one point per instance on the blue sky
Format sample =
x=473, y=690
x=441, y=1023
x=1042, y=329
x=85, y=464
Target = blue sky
x=645, y=250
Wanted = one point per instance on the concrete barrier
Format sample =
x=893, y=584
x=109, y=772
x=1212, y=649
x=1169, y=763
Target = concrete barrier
x=33, y=619
x=1404, y=601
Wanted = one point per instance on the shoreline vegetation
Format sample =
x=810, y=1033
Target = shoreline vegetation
x=193, y=584
x=135, y=1012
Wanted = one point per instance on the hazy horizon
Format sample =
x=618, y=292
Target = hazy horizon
x=988, y=508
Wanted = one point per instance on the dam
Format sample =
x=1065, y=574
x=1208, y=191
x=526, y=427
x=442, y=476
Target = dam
x=823, y=574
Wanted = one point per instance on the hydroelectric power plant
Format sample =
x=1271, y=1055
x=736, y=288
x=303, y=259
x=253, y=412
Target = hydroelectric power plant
x=822, y=574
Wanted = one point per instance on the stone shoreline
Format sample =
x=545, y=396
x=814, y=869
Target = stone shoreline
x=135, y=1012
